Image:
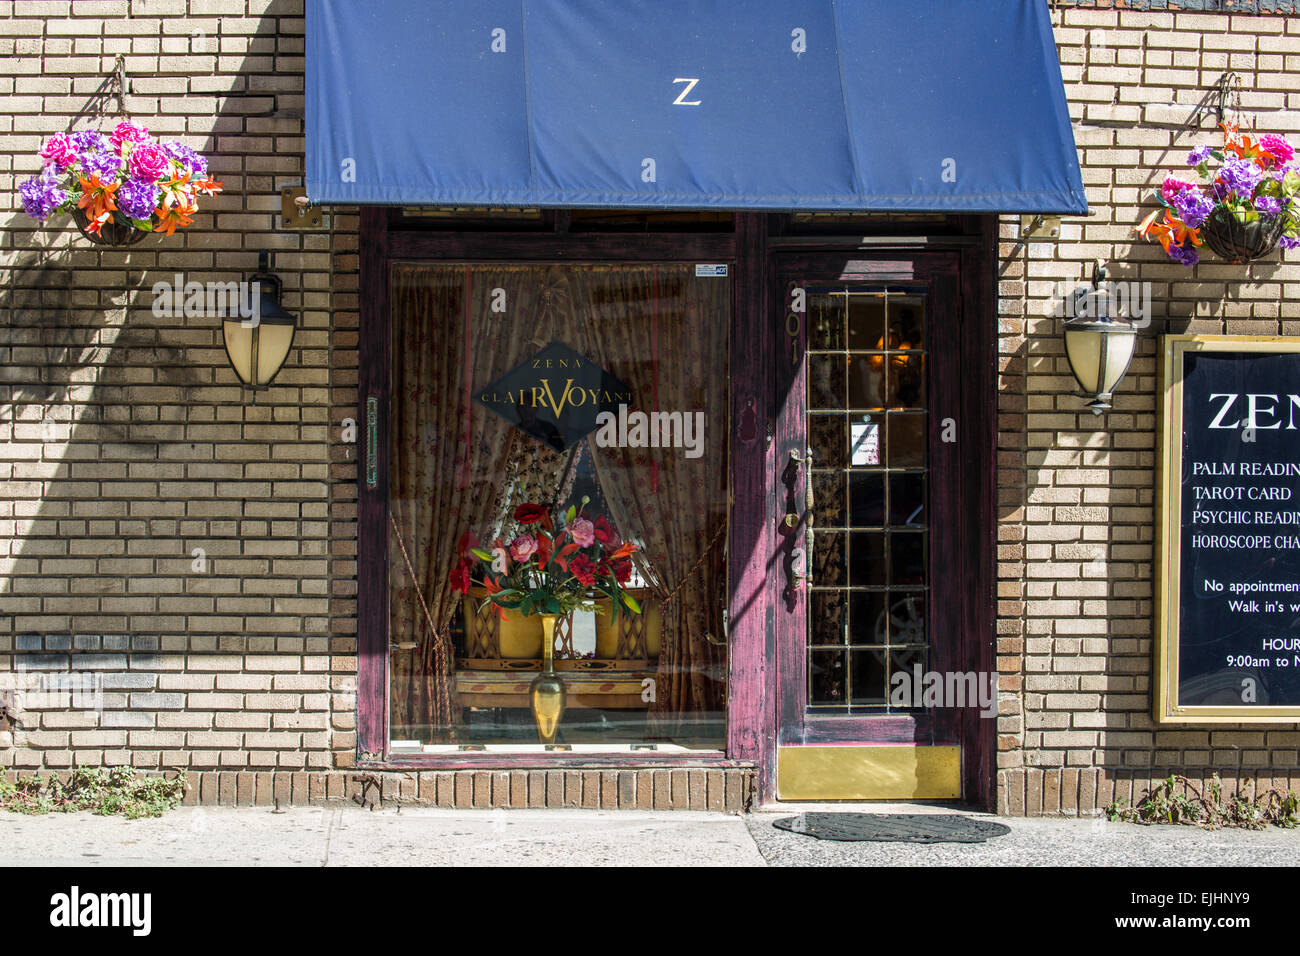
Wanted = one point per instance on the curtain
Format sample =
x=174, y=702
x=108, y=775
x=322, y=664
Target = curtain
x=664, y=332
x=450, y=455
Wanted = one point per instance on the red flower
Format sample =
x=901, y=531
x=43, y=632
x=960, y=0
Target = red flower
x=529, y=514
x=460, y=577
x=622, y=568
x=544, y=545
x=605, y=532
x=584, y=569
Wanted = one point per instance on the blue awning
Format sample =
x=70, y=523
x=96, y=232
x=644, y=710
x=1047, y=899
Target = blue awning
x=906, y=105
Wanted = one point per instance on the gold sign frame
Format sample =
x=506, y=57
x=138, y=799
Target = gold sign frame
x=1169, y=506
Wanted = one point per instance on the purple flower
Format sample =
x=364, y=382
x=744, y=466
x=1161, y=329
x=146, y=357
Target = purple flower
x=104, y=165
x=137, y=198
x=1186, y=254
x=1289, y=242
x=42, y=194
x=1197, y=156
x=1193, y=207
x=1240, y=176
x=89, y=141
x=187, y=157
x=1267, y=206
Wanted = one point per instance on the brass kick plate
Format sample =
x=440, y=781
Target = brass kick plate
x=295, y=215
x=868, y=773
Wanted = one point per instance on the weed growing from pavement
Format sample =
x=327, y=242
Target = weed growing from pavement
x=107, y=791
x=1166, y=803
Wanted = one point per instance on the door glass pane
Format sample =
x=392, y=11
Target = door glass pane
x=601, y=388
x=867, y=604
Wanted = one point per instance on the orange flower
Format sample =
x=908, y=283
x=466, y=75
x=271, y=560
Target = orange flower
x=172, y=217
x=97, y=202
x=1171, y=231
x=1244, y=149
x=209, y=186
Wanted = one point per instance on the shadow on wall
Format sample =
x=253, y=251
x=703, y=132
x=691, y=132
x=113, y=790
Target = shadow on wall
x=144, y=502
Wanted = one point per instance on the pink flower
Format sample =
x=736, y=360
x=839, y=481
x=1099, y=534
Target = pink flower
x=523, y=547
x=1172, y=187
x=583, y=532
x=58, y=149
x=128, y=133
x=148, y=162
x=1277, y=147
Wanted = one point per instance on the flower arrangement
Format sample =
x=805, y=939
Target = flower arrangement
x=1253, y=185
x=127, y=178
x=550, y=566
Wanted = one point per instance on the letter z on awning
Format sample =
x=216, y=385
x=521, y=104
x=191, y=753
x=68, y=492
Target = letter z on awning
x=907, y=105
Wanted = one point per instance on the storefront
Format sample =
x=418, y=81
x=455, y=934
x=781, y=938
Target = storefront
x=762, y=351
x=781, y=296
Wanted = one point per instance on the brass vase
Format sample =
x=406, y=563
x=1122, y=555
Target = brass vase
x=546, y=694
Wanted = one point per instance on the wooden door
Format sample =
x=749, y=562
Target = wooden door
x=881, y=453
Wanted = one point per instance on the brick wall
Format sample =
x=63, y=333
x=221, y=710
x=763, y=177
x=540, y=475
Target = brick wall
x=189, y=552
x=126, y=444
x=1075, y=591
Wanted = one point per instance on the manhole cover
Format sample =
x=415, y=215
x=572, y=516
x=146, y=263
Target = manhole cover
x=893, y=827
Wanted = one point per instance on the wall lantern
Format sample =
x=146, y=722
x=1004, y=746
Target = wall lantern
x=1099, y=351
x=257, y=345
x=1098, y=347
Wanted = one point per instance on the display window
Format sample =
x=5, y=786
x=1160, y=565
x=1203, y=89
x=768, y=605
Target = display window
x=558, y=446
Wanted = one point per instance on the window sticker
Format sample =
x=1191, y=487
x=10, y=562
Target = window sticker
x=865, y=438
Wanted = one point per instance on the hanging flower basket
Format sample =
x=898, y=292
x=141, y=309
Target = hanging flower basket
x=1241, y=239
x=118, y=188
x=1243, y=209
x=108, y=234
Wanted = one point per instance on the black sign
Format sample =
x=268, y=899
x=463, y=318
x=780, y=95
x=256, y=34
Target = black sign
x=556, y=396
x=1239, y=556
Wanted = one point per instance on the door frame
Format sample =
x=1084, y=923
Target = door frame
x=755, y=245
x=973, y=513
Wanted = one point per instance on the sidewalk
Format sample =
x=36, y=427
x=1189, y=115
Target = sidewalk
x=351, y=836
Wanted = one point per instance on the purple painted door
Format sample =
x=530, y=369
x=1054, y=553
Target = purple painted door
x=875, y=440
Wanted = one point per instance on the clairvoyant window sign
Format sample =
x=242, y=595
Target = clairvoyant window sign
x=1228, y=602
x=556, y=396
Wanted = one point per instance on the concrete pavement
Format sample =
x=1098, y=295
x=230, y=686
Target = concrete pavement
x=347, y=835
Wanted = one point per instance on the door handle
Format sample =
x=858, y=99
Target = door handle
x=798, y=569
x=803, y=576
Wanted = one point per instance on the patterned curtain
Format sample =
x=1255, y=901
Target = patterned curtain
x=450, y=456
x=664, y=332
